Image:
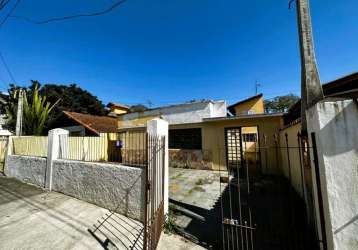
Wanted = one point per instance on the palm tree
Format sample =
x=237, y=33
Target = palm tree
x=36, y=113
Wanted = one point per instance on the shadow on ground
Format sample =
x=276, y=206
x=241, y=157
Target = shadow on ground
x=33, y=218
x=117, y=232
x=272, y=218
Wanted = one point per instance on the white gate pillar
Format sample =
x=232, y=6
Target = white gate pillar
x=160, y=127
x=53, y=149
x=335, y=170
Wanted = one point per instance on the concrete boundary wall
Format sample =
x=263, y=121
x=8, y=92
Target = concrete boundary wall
x=335, y=124
x=28, y=169
x=115, y=187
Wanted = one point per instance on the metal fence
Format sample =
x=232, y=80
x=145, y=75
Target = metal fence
x=30, y=145
x=154, y=195
x=261, y=209
x=147, y=151
x=127, y=148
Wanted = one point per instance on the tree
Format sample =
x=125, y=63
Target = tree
x=69, y=98
x=73, y=98
x=35, y=113
x=280, y=103
x=138, y=108
x=10, y=107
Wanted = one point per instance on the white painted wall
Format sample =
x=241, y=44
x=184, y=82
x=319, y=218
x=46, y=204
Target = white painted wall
x=336, y=126
x=160, y=127
x=53, y=153
x=76, y=129
x=184, y=113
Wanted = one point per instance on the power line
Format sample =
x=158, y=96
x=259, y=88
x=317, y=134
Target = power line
x=10, y=12
x=7, y=67
x=3, y=3
x=57, y=19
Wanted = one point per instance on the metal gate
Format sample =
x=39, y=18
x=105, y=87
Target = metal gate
x=154, y=195
x=262, y=211
x=237, y=225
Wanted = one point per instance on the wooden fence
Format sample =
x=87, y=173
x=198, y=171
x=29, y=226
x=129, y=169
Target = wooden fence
x=30, y=145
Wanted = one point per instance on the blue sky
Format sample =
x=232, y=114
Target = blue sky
x=171, y=51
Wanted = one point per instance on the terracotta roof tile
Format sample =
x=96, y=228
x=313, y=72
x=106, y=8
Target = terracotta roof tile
x=97, y=124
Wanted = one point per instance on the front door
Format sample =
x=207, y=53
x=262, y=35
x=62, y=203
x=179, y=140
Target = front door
x=233, y=149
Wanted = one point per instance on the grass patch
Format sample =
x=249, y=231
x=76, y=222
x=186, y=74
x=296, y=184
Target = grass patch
x=197, y=189
x=170, y=226
x=204, y=181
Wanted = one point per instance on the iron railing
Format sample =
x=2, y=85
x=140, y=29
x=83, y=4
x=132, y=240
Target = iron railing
x=154, y=195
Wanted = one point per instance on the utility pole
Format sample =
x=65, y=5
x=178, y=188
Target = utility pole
x=311, y=89
x=311, y=93
x=18, y=130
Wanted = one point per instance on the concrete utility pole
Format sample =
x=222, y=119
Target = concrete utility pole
x=19, y=114
x=311, y=89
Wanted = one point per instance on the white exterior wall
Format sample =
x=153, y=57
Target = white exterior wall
x=160, y=127
x=335, y=124
x=76, y=129
x=184, y=113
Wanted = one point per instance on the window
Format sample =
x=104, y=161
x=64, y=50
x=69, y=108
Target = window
x=250, y=137
x=185, y=138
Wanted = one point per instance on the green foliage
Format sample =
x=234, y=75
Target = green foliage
x=36, y=113
x=138, y=108
x=11, y=107
x=280, y=103
x=170, y=225
x=39, y=99
x=72, y=98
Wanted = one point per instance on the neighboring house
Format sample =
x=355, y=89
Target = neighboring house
x=117, y=109
x=249, y=106
x=3, y=102
x=202, y=136
x=88, y=125
x=3, y=132
x=176, y=114
x=344, y=87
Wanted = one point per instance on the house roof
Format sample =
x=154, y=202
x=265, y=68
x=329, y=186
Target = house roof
x=118, y=105
x=94, y=123
x=180, y=105
x=240, y=117
x=231, y=107
x=346, y=87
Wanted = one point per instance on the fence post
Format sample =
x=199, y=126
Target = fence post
x=52, y=153
x=159, y=127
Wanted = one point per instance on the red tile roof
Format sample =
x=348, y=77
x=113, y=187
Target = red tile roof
x=94, y=123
